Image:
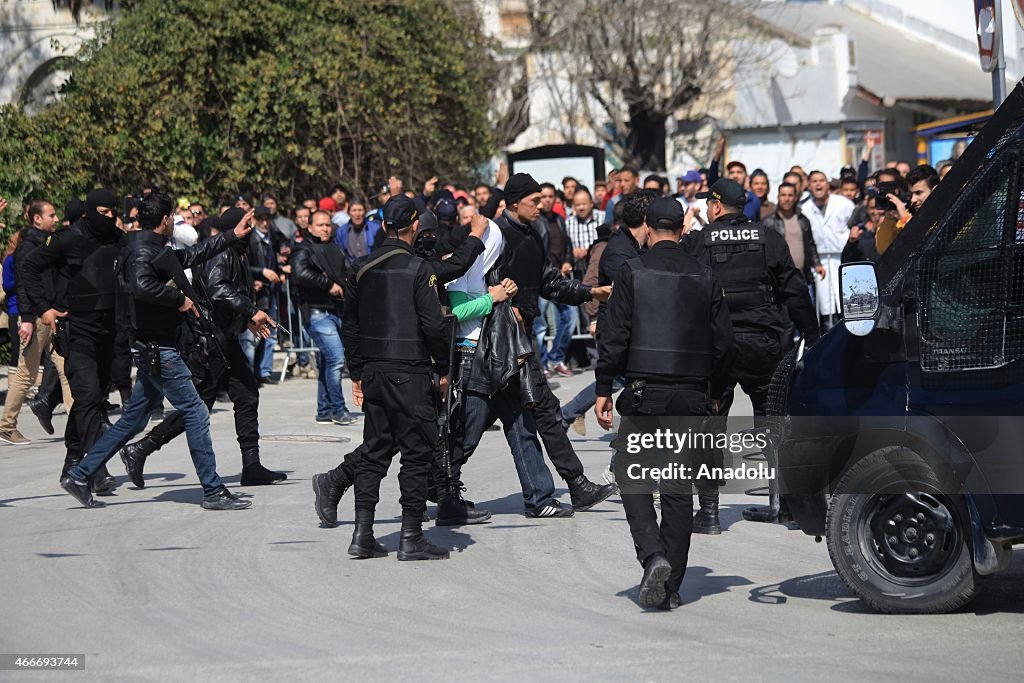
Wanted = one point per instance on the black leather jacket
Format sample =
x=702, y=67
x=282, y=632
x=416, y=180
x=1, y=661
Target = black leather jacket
x=31, y=238
x=228, y=282
x=543, y=226
x=152, y=302
x=309, y=274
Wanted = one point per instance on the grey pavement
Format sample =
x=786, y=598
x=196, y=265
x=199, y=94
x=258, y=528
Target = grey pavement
x=154, y=588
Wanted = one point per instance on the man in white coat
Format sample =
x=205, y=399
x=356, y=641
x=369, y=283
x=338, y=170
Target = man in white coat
x=828, y=214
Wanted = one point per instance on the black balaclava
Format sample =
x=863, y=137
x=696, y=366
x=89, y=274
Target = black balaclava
x=102, y=226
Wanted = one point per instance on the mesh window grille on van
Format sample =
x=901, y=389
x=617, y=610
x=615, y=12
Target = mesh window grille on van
x=971, y=314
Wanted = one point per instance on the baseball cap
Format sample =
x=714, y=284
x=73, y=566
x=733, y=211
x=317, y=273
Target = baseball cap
x=261, y=212
x=690, y=177
x=732, y=164
x=399, y=213
x=665, y=213
x=729, y=192
x=327, y=204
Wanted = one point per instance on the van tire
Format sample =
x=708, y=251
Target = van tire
x=902, y=551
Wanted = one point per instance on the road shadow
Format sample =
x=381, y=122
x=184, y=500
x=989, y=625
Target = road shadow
x=699, y=582
x=446, y=537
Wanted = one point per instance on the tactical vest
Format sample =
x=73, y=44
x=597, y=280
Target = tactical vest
x=676, y=343
x=388, y=324
x=737, y=252
x=93, y=285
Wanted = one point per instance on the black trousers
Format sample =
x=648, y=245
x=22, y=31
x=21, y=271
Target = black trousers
x=121, y=366
x=90, y=352
x=399, y=417
x=50, y=392
x=547, y=414
x=757, y=355
x=243, y=389
x=671, y=537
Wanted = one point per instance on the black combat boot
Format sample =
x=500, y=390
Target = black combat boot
x=413, y=545
x=653, y=591
x=80, y=490
x=134, y=458
x=706, y=520
x=253, y=471
x=454, y=510
x=327, y=494
x=44, y=413
x=585, y=494
x=364, y=545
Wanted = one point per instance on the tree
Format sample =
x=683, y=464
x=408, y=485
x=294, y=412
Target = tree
x=636, y=64
x=208, y=97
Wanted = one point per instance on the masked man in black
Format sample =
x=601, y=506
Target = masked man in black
x=84, y=258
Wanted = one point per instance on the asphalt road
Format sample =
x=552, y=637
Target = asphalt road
x=154, y=588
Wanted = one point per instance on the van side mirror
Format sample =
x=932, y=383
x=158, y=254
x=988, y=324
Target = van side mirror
x=858, y=284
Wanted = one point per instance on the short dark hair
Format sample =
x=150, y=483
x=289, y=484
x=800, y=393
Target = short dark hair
x=600, y=183
x=653, y=178
x=336, y=188
x=634, y=207
x=817, y=172
x=155, y=207
x=925, y=173
x=268, y=195
x=353, y=202
x=36, y=208
x=584, y=189
x=567, y=179
x=549, y=186
x=791, y=186
x=479, y=185
x=791, y=174
x=632, y=170
x=847, y=180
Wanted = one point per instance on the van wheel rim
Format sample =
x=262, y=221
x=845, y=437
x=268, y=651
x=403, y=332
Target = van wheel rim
x=909, y=538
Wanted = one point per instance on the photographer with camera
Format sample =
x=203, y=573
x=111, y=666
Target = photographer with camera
x=901, y=198
x=156, y=318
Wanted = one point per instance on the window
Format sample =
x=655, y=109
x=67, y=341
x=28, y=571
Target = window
x=970, y=277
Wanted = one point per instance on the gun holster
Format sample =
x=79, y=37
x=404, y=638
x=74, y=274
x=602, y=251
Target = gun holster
x=149, y=357
x=637, y=388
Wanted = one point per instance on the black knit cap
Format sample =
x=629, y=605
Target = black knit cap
x=518, y=186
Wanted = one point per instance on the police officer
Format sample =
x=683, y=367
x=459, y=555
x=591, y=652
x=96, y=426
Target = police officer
x=755, y=268
x=84, y=257
x=672, y=364
x=394, y=334
x=453, y=510
x=226, y=281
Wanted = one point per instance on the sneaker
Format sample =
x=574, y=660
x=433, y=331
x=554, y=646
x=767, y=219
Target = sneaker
x=225, y=500
x=157, y=415
x=552, y=508
x=609, y=475
x=324, y=420
x=344, y=418
x=14, y=438
x=562, y=370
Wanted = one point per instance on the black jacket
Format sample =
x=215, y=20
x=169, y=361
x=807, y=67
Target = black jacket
x=227, y=279
x=811, y=258
x=259, y=260
x=153, y=298
x=621, y=248
x=547, y=282
x=31, y=239
x=315, y=271
x=861, y=249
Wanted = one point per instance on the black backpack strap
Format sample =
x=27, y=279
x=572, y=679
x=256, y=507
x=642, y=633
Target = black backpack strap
x=377, y=261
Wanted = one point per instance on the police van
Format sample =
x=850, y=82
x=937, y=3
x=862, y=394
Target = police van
x=899, y=437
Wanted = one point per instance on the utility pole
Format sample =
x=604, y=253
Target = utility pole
x=999, y=73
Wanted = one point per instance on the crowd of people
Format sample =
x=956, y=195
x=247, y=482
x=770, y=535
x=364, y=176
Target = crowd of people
x=482, y=289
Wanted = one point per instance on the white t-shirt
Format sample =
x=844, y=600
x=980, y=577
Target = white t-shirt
x=473, y=283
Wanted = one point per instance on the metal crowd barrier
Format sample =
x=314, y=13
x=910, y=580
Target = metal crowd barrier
x=298, y=328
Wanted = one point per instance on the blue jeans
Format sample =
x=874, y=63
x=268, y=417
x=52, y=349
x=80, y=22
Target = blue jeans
x=325, y=328
x=520, y=433
x=174, y=384
x=266, y=361
x=579, y=404
x=566, y=317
